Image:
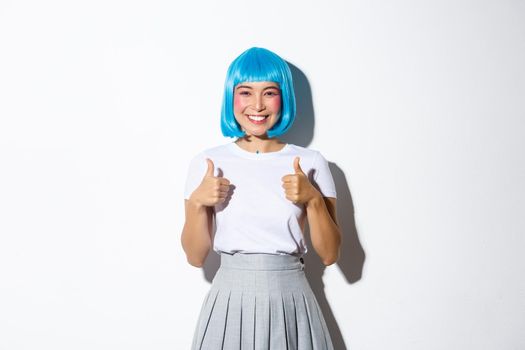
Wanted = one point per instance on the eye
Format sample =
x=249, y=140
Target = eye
x=272, y=93
x=245, y=93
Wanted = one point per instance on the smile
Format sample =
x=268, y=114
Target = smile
x=257, y=119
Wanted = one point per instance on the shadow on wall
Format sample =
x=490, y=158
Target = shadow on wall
x=352, y=258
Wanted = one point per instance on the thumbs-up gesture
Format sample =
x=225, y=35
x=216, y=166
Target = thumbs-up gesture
x=297, y=187
x=212, y=190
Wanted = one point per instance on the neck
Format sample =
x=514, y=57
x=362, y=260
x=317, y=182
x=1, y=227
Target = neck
x=253, y=144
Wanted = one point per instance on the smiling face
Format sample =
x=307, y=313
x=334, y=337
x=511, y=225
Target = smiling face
x=257, y=106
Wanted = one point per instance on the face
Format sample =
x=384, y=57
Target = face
x=257, y=106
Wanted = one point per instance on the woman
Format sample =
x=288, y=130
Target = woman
x=259, y=192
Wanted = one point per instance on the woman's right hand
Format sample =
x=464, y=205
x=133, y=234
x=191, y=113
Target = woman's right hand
x=212, y=190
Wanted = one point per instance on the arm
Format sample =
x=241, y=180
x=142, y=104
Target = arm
x=196, y=234
x=199, y=208
x=320, y=211
x=324, y=231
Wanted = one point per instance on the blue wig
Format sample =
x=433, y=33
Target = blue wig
x=253, y=65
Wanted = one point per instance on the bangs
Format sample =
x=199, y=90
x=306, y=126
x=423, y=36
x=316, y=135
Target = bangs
x=256, y=68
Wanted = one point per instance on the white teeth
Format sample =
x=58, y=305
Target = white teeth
x=256, y=117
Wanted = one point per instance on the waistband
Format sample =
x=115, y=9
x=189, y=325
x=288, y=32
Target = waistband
x=261, y=261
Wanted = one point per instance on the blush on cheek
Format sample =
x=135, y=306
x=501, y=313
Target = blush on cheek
x=237, y=103
x=275, y=103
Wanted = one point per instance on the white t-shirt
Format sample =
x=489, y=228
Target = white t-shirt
x=257, y=217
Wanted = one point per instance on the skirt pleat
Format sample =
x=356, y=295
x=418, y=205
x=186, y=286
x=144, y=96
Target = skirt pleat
x=232, y=334
x=204, y=319
x=318, y=338
x=277, y=323
x=304, y=334
x=290, y=319
x=260, y=302
x=262, y=322
x=248, y=321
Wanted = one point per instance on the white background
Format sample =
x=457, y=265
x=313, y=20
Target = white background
x=418, y=105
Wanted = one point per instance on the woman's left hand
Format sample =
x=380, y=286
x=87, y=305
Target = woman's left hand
x=297, y=187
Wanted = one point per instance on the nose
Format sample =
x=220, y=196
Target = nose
x=259, y=105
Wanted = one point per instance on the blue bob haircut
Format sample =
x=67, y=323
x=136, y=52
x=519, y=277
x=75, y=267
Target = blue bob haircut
x=254, y=65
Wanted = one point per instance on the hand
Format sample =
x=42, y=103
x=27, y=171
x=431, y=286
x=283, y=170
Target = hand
x=298, y=188
x=212, y=190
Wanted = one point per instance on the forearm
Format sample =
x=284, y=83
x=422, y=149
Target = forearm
x=324, y=231
x=196, y=234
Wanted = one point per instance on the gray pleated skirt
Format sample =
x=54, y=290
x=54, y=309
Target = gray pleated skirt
x=261, y=301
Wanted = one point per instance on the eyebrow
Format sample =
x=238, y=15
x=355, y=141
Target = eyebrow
x=249, y=87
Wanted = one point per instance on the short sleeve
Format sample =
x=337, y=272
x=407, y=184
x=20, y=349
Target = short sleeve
x=323, y=177
x=196, y=170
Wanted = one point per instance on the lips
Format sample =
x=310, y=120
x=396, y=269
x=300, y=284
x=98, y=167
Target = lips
x=257, y=119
